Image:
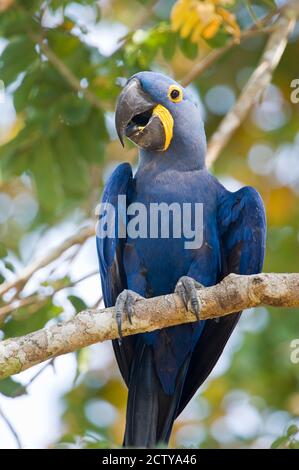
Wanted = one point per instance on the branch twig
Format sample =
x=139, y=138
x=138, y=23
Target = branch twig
x=233, y=294
x=66, y=73
x=216, y=54
x=256, y=85
x=20, y=281
x=21, y=387
x=265, y=27
x=11, y=428
x=39, y=299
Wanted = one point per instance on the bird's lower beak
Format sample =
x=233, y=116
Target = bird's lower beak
x=138, y=117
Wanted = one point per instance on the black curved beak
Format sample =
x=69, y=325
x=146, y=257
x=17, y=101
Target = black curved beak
x=134, y=117
x=131, y=102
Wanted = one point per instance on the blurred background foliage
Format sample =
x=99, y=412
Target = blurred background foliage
x=63, y=64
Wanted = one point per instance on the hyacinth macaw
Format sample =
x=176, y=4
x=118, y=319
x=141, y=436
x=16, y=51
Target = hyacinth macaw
x=163, y=369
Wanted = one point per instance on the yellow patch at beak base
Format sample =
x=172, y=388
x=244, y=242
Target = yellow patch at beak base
x=167, y=122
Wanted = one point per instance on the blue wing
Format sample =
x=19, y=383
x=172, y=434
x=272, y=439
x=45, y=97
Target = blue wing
x=110, y=253
x=242, y=231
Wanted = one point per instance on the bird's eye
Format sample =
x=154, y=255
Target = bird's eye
x=175, y=94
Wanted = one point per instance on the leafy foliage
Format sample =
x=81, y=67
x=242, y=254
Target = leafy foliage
x=287, y=441
x=11, y=388
x=204, y=19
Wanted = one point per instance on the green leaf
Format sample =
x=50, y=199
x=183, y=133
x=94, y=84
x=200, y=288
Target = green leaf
x=9, y=266
x=31, y=5
x=72, y=167
x=294, y=445
x=3, y=250
x=292, y=430
x=83, y=360
x=73, y=110
x=47, y=175
x=269, y=3
x=26, y=89
x=11, y=388
x=62, y=43
x=16, y=58
x=188, y=48
x=30, y=318
x=89, y=145
x=169, y=47
x=48, y=89
x=90, y=139
x=219, y=40
x=77, y=303
x=279, y=442
x=15, y=155
x=14, y=21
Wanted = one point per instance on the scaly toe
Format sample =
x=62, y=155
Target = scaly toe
x=186, y=288
x=125, y=306
x=119, y=310
x=180, y=290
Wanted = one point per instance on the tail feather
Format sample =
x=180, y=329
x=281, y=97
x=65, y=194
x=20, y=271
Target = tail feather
x=150, y=411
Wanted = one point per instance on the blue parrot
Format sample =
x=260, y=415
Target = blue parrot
x=163, y=369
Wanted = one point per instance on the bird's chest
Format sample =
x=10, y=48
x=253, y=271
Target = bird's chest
x=172, y=225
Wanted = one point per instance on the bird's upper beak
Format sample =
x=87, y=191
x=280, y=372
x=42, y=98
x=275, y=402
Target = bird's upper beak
x=139, y=118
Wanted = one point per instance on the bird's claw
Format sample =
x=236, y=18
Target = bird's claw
x=125, y=305
x=186, y=288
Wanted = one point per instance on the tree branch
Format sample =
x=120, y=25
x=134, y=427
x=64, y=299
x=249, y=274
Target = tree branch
x=233, y=294
x=66, y=73
x=264, y=27
x=22, y=278
x=257, y=83
x=216, y=54
x=40, y=299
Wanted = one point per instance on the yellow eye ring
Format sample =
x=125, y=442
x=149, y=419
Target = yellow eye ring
x=175, y=94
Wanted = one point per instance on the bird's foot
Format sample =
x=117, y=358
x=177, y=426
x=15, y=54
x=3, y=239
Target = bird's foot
x=125, y=306
x=186, y=288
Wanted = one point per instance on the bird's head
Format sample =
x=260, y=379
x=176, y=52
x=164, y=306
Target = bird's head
x=157, y=114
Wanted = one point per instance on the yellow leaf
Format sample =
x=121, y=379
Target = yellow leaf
x=196, y=35
x=230, y=20
x=211, y=30
x=199, y=19
x=178, y=14
x=189, y=24
x=68, y=25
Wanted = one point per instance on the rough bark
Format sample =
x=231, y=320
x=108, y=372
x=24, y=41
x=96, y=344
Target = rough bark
x=234, y=293
x=257, y=84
